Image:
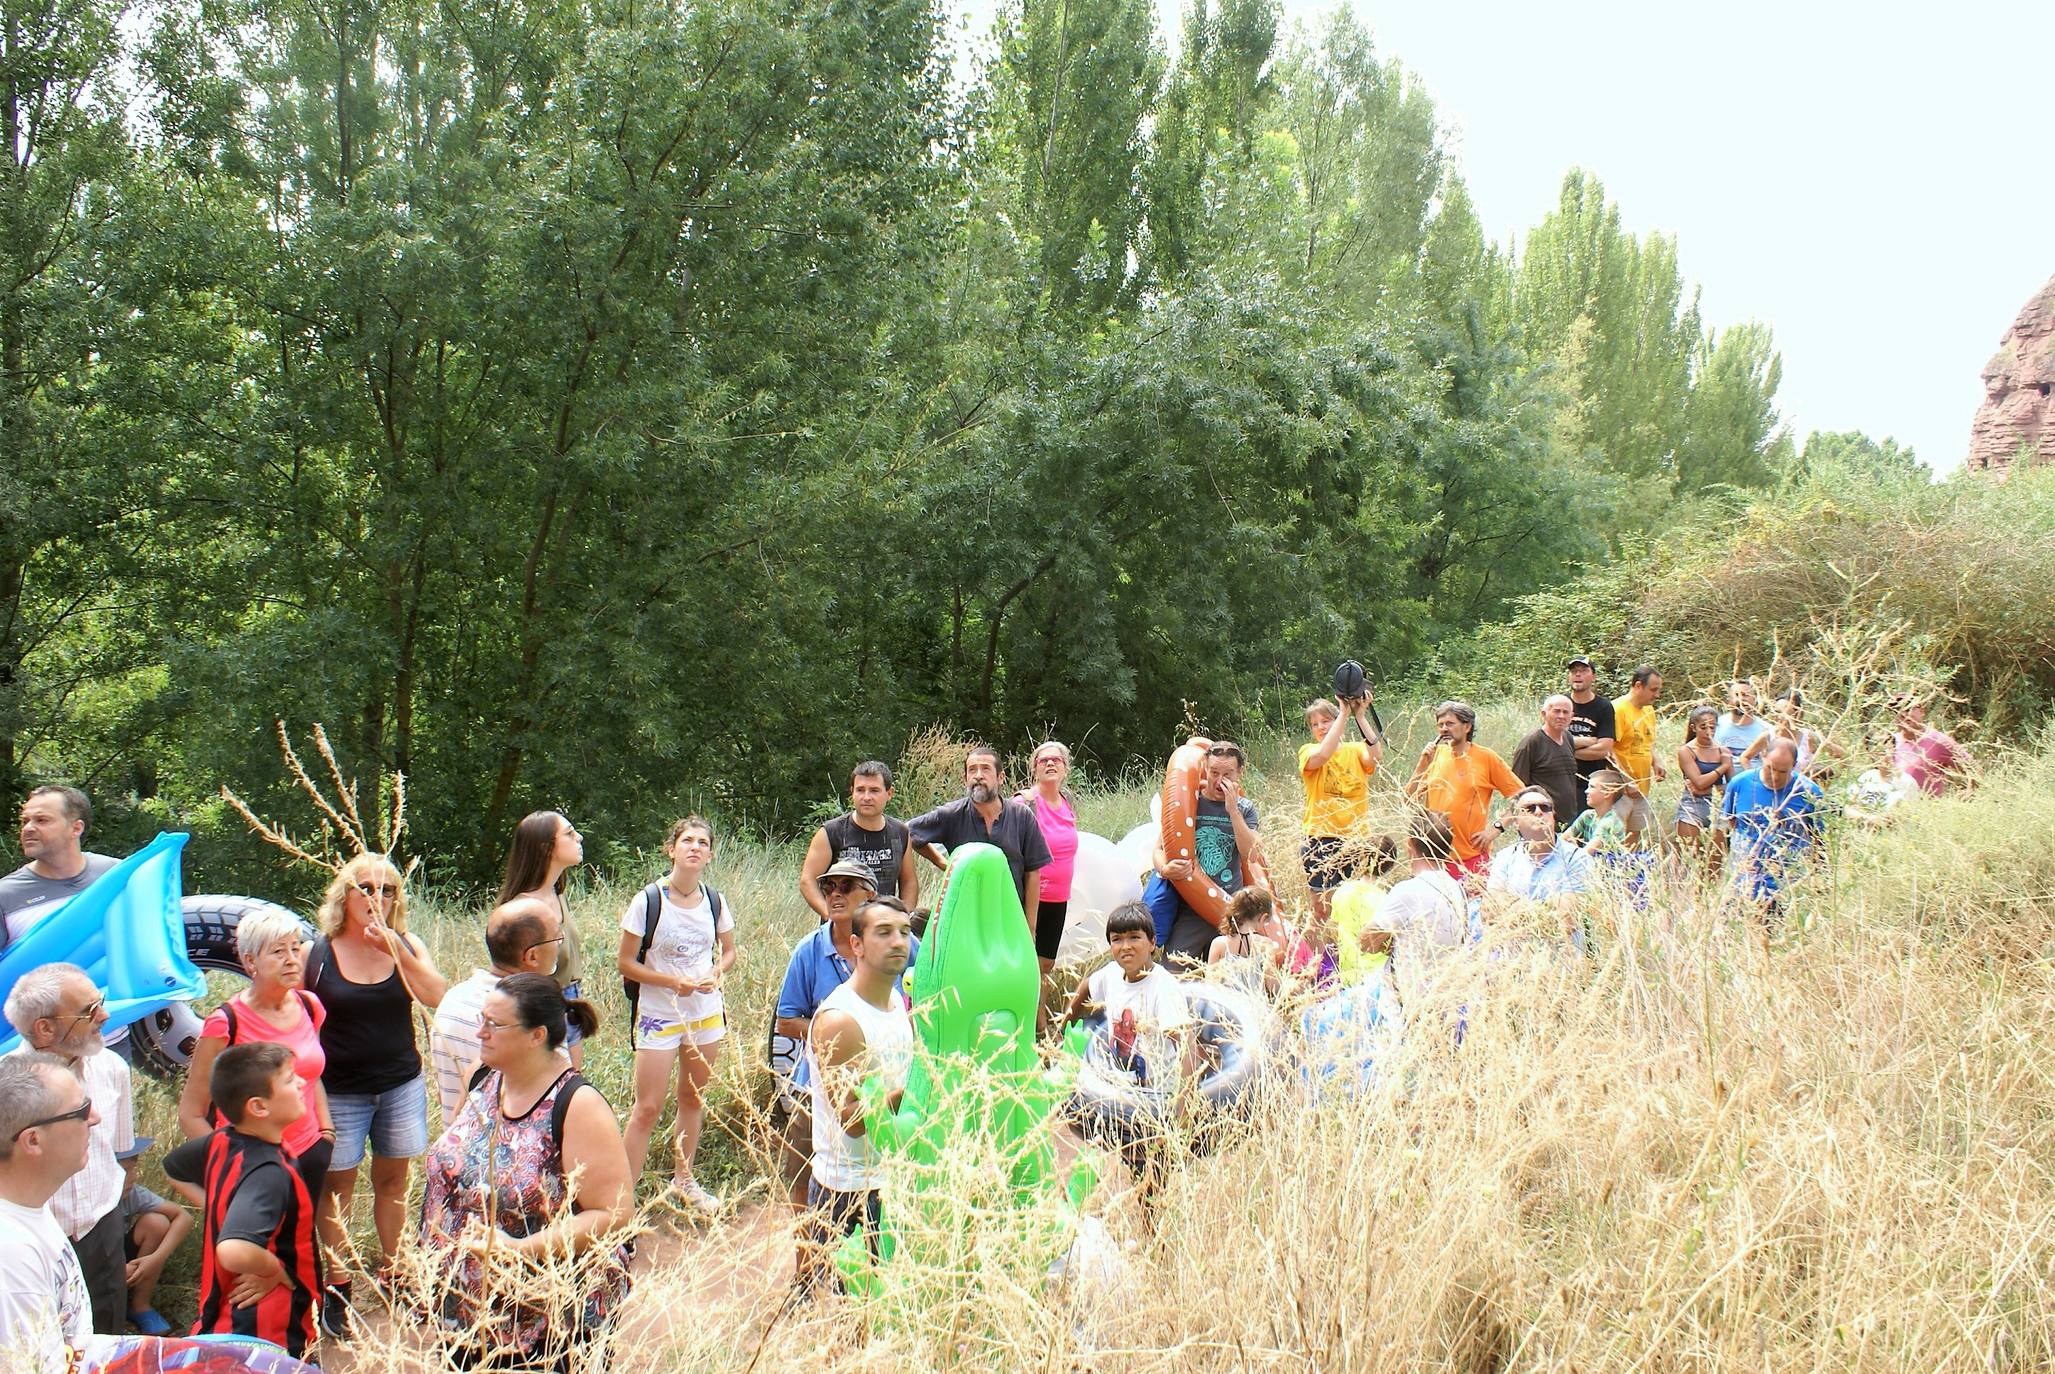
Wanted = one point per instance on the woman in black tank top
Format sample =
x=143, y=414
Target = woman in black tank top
x=369, y=973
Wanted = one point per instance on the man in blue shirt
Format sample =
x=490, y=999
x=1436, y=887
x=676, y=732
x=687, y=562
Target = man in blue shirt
x=1542, y=868
x=1773, y=819
x=819, y=965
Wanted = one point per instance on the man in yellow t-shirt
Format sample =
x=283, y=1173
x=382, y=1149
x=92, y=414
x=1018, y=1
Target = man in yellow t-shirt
x=1336, y=775
x=1457, y=778
x=1634, y=724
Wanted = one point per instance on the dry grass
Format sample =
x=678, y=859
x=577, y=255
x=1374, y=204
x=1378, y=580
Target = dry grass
x=1676, y=1155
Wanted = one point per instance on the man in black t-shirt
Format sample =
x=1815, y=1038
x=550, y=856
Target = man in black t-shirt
x=1592, y=729
x=983, y=815
x=260, y=1264
x=866, y=835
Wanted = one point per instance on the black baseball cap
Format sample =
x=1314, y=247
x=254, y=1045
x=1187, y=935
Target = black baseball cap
x=1581, y=662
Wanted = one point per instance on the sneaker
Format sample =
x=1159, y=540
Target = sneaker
x=149, y=1322
x=688, y=1196
x=336, y=1312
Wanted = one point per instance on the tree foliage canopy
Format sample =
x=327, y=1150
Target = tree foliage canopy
x=626, y=407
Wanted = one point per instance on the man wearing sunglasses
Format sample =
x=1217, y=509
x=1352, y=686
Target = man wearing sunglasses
x=1541, y=868
x=46, y=1123
x=521, y=936
x=57, y=1011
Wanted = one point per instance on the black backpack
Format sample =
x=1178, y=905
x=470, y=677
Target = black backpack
x=559, y=1110
x=652, y=913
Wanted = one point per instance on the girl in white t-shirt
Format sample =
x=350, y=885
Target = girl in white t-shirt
x=679, y=1019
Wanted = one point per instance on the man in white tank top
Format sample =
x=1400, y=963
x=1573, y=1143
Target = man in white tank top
x=862, y=1028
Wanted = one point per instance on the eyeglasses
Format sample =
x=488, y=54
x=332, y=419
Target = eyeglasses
x=836, y=886
x=1538, y=808
x=88, y=1014
x=552, y=940
x=486, y=1023
x=81, y=1112
x=385, y=890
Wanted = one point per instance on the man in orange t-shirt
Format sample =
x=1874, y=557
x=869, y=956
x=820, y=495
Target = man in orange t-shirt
x=1457, y=777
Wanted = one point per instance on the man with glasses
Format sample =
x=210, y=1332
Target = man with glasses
x=46, y=1127
x=522, y=936
x=57, y=1011
x=1541, y=868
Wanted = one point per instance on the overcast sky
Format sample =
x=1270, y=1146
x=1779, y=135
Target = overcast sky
x=1876, y=182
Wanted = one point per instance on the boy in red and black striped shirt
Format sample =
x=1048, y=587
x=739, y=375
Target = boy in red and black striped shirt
x=260, y=1269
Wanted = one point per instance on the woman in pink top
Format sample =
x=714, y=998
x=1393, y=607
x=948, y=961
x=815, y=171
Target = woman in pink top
x=1057, y=815
x=1928, y=758
x=273, y=948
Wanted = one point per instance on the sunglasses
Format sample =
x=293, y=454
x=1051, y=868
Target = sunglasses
x=88, y=1014
x=385, y=890
x=78, y=1113
x=1538, y=808
x=834, y=886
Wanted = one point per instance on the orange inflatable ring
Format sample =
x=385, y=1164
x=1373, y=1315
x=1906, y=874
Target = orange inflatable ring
x=1182, y=777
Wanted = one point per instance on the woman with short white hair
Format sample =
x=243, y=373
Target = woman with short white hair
x=275, y=1006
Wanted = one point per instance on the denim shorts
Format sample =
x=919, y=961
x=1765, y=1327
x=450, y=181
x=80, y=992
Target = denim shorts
x=573, y=1037
x=395, y=1122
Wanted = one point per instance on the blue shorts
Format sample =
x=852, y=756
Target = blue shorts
x=395, y=1122
x=573, y=1037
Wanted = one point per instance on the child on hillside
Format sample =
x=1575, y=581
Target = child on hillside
x=153, y=1227
x=1247, y=956
x=1149, y=1045
x=1600, y=828
x=260, y=1266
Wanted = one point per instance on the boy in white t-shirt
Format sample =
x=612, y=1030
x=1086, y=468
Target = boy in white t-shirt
x=677, y=968
x=1150, y=1044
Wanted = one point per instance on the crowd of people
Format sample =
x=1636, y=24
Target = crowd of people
x=315, y=1065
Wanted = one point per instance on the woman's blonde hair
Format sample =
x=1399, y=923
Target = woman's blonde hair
x=334, y=902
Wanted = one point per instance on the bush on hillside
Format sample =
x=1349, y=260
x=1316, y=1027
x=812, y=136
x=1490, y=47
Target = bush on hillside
x=1953, y=583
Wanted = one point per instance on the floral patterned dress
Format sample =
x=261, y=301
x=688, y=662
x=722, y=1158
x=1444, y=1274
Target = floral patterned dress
x=507, y=1170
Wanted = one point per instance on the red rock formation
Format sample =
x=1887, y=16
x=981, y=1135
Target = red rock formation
x=2016, y=422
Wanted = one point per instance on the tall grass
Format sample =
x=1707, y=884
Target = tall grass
x=1678, y=1154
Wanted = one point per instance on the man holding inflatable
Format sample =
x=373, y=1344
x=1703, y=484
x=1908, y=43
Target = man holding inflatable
x=1224, y=847
x=53, y=830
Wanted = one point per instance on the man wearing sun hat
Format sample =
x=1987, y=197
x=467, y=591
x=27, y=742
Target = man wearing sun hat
x=819, y=965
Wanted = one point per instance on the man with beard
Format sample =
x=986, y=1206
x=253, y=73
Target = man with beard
x=1457, y=778
x=862, y=1030
x=53, y=828
x=57, y=1011
x=983, y=815
x=1592, y=728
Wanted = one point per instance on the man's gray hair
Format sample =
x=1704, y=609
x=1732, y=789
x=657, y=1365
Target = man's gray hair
x=40, y=993
x=262, y=929
x=1555, y=697
x=28, y=1092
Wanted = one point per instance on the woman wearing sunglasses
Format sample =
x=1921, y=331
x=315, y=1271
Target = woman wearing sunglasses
x=369, y=973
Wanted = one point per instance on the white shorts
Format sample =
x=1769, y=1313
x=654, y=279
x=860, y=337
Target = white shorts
x=700, y=1020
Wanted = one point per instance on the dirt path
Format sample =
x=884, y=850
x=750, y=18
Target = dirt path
x=691, y=1282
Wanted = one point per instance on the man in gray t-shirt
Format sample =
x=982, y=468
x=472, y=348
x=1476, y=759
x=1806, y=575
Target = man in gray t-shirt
x=53, y=828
